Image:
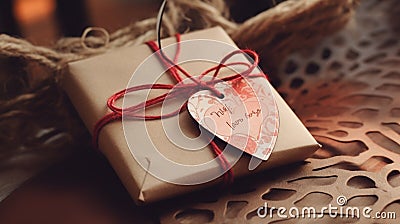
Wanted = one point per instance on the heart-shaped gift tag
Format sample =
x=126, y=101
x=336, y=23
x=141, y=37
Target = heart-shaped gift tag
x=246, y=117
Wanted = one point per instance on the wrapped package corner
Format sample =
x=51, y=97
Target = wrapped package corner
x=90, y=82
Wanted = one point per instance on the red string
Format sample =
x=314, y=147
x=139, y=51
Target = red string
x=186, y=89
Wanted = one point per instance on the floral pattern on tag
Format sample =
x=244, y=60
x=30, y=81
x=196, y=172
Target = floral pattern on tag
x=246, y=117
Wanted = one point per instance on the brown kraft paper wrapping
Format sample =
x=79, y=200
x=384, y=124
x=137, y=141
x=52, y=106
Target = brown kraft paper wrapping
x=90, y=82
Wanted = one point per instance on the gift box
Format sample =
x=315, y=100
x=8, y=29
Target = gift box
x=90, y=82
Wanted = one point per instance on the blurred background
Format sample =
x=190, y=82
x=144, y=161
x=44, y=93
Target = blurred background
x=44, y=21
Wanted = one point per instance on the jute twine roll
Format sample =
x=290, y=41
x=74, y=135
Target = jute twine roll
x=273, y=33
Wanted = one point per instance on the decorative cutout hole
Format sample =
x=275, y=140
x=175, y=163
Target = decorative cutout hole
x=375, y=163
x=392, y=75
x=315, y=180
x=394, y=126
x=347, y=166
x=394, y=178
x=312, y=68
x=384, y=141
x=352, y=54
x=304, y=92
x=314, y=129
x=352, y=148
x=326, y=53
x=375, y=57
x=361, y=182
x=362, y=201
x=364, y=43
x=394, y=206
x=341, y=165
x=252, y=215
x=354, y=67
x=335, y=66
x=278, y=194
x=339, y=133
x=234, y=207
x=350, y=124
x=296, y=83
x=193, y=216
x=369, y=73
x=389, y=87
x=291, y=67
x=388, y=43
